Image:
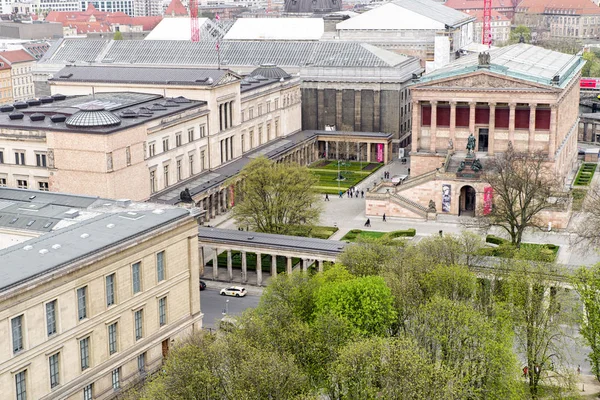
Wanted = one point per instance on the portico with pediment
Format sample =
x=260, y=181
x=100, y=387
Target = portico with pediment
x=521, y=96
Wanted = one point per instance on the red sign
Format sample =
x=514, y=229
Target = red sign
x=379, y=152
x=488, y=193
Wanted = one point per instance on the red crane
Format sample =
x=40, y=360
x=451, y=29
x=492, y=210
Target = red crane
x=487, y=23
x=194, y=21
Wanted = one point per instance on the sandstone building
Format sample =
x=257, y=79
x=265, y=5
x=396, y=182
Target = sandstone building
x=523, y=95
x=93, y=292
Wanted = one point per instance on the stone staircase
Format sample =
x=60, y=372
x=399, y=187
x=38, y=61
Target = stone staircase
x=423, y=178
x=409, y=205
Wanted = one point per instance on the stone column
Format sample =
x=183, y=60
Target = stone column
x=258, y=269
x=368, y=152
x=201, y=260
x=231, y=113
x=511, y=122
x=289, y=265
x=472, y=106
x=337, y=150
x=376, y=110
x=244, y=268
x=433, y=127
x=338, y=109
x=273, y=265
x=320, y=265
x=215, y=263
x=358, y=151
x=385, y=153
x=416, y=125
x=220, y=117
x=326, y=149
x=305, y=265
x=552, y=143
x=492, y=128
x=532, y=108
x=229, y=266
x=357, y=101
x=452, y=120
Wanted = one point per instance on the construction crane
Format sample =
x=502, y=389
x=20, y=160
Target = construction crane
x=194, y=21
x=486, y=35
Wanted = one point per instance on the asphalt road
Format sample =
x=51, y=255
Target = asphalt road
x=213, y=305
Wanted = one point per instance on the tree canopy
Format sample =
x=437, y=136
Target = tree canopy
x=521, y=30
x=276, y=197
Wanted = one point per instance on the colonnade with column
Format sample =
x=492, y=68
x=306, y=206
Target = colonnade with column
x=303, y=155
x=225, y=115
x=356, y=150
x=436, y=124
x=304, y=263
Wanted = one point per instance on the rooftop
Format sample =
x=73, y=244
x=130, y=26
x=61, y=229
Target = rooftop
x=232, y=53
x=102, y=113
x=276, y=29
x=174, y=29
x=215, y=177
x=407, y=14
x=176, y=9
x=521, y=61
x=105, y=225
x=269, y=240
x=478, y=4
x=571, y=7
x=16, y=56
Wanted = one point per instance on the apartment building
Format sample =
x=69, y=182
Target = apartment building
x=21, y=64
x=102, y=290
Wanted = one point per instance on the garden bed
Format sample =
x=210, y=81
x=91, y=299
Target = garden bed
x=351, y=172
x=578, y=198
x=585, y=174
x=504, y=249
x=355, y=234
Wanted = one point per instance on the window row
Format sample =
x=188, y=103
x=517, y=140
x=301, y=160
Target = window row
x=180, y=171
x=259, y=108
x=19, y=158
x=167, y=143
x=259, y=138
x=24, y=183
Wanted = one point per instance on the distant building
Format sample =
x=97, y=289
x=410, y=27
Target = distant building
x=21, y=70
x=31, y=31
x=499, y=24
x=557, y=19
x=147, y=8
x=6, y=88
x=504, y=7
x=94, y=292
x=124, y=6
x=176, y=9
x=312, y=6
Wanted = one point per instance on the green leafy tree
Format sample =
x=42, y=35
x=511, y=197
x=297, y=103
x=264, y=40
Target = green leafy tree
x=276, y=197
x=118, y=36
x=521, y=30
x=366, y=303
x=587, y=284
x=367, y=257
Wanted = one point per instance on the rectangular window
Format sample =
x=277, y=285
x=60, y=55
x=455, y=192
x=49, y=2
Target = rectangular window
x=43, y=186
x=251, y=113
x=202, y=131
x=178, y=140
x=88, y=392
x=17, y=333
x=276, y=104
x=112, y=338
x=22, y=184
x=522, y=118
x=162, y=311
x=462, y=116
x=243, y=144
x=191, y=164
x=128, y=155
x=40, y=159
x=116, y=384
x=191, y=135
x=268, y=132
x=151, y=149
x=276, y=128
x=153, y=181
x=19, y=158
x=54, y=378
x=160, y=266
x=179, y=174
x=425, y=115
x=1, y=157
x=135, y=277
x=166, y=175
x=165, y=144
x=443, y=115
x=251, y=139
x=110, y=290
x=202, y=159
x=502, y=117
x=260, y=135
x=84, y=353
x=51, y=317
x=268, y=106
x=482, y=115
x=21, y=386
x=141, y=361
x=139, y=319
x=259, y=110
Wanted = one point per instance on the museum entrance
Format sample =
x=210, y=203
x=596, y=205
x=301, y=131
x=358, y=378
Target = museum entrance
x=483, y=139
x=466, y=201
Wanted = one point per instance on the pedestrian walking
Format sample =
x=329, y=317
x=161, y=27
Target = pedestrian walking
x=384, y=218
x=341, y=194
x=362, y=194
x=326, y=197
x=368, y=223
x=350, y=191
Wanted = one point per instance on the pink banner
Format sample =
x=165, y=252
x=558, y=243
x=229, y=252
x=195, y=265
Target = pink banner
x=488, y=193
x=379, y=152
x=231, y=195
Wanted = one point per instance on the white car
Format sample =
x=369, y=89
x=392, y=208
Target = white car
x=237, y=291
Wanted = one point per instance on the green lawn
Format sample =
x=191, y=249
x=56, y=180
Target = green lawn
x=578, y=197
x=355, y=234
x=317, y=232
x=352, y=172
x=585, y=174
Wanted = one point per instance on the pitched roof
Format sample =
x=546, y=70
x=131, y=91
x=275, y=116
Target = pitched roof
x=407, y=14
x=576, y=7
x=477, y=4
x=90, y=27
x=90, y=9
x=496, y=16
x=176, y=9
x=16, y=56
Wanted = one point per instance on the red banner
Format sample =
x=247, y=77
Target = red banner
x=488, y=193
x=231, y=195
x=379, y=152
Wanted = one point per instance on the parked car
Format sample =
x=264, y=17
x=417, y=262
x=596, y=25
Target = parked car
x=202, y=285
x=237, y=291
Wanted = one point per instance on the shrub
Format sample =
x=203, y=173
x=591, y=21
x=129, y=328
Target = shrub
x=401, y=233
x=494, y=240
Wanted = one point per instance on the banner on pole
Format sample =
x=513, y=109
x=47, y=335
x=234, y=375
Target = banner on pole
x=379, y=152
x=488, y=194
x=446, y=197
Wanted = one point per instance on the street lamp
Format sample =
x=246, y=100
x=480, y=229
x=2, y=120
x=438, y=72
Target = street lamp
x=226, y=309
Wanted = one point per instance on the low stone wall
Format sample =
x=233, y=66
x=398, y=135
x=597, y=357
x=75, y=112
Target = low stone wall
x=378, y=207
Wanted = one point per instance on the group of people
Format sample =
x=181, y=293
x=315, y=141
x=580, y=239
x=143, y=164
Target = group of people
x=386, y=174
x=351, y=193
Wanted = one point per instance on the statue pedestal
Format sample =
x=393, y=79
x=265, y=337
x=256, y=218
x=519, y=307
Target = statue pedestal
x=466, y=170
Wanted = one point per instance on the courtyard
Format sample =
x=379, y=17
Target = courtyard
x=341, y=175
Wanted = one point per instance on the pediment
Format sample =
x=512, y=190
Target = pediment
x=483, y=80
x=228, y=77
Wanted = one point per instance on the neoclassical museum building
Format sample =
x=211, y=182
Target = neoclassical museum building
x=519, y=95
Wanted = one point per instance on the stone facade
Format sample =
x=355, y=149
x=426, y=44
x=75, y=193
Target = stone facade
x=80, y=346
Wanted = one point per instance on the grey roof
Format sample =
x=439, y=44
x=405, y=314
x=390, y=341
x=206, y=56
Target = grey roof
x=216, y=177
x=312, y=6
x=232, y=53
x=436, y=11
x=61, y=199
x=140, y=108
x=521, y=61
x=270, y=71
x=269, y=240
x=41, y=255
x=142, y=75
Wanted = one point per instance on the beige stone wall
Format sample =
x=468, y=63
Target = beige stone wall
x=30, y=143
x=183, y=314
x=421, y=163
x=380, y=207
